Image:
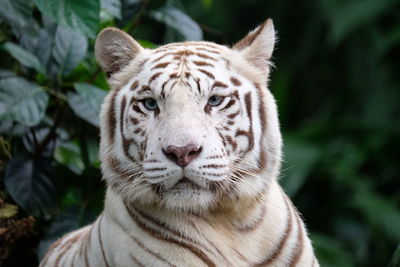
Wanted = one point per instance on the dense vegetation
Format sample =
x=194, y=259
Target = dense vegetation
x=336, y=82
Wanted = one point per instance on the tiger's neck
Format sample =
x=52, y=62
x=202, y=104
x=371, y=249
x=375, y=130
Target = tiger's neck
x=242, y=214
x=248, y=234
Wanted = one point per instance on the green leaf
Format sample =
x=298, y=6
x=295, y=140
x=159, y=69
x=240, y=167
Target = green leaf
x=179, y=21
x=28, y=179
x=388, y=40
x=395, y=261
x=74, y=14
x=300, y=157
x=22, y=101
x=24, y=57
x=87, y=102
x=5, y=149
x=129, y=10
x=6, y=73
x=24, y=7
x=380, y=212
x=330, y=252
x=70, y=48
x=68, y=154
x=113, y=7
x=147, y=44
x=207, y=3
x=16, y=12
x=93, y=151
x=348, y=16
x=38, y=136
x=30, y=36
x=8, y=210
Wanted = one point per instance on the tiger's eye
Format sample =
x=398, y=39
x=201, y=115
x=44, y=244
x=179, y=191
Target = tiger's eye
x=215, y=100
x=150, y=103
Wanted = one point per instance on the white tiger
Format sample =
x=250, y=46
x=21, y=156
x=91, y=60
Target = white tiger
x=190, y=151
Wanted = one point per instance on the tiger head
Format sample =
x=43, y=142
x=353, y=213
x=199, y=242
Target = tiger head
x=189, y=126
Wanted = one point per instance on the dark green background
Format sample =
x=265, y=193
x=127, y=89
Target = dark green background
x=336, y=80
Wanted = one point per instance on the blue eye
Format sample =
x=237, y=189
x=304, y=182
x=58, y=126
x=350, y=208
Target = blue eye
x=150, y=103
x=215, y=100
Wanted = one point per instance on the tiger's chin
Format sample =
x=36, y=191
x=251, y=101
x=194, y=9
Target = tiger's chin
x=184, y=196
x=188, y=197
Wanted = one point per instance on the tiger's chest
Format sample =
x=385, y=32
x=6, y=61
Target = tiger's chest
x=139, y=238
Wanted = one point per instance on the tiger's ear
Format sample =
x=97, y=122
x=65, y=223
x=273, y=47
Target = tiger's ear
x=258, y=45
x=114, y=49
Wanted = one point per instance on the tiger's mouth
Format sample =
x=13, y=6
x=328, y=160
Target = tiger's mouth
x=192, y=182
x=185, y=182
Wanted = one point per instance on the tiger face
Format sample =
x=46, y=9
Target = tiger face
x=188, y=126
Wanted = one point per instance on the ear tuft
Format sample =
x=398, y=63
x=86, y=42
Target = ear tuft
x=115, y=49
x=258, y=45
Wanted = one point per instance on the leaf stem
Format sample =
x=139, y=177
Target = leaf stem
x=35, y=141
x=52, y=133
x=56, y=94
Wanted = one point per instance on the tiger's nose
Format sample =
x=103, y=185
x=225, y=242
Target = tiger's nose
x=182, y=155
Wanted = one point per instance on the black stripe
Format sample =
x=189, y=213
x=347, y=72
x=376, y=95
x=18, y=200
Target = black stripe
x=168, y=228
x=198, y=85
x=282, y=242
x=136, y=261
x=161, y=65
x=87, y=243
x=125, y=142
x=101, y=242
x=209, y=74
x=254, y=225
x=229, y=104
x=111, y=117
x=161, y=236
x=141, y=245
x=300, y=240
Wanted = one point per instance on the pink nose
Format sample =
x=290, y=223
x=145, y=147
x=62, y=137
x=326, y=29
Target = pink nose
x=182, y=155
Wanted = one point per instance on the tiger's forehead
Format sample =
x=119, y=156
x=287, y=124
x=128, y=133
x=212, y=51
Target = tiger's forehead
x=195, y=47
x=199, y=66
x=186, y=56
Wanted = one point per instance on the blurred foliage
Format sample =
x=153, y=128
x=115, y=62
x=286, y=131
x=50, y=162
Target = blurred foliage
x=336, y=84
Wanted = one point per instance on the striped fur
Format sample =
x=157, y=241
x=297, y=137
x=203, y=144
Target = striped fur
x=225, y=207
